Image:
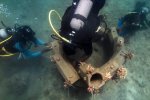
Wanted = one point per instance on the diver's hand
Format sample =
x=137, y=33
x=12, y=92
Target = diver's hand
x=46, y=50
x=48, y=45
x=45, y=44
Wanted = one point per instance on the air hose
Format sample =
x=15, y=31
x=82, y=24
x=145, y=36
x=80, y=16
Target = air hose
x=8, y=54
x=3, y=49
x=5, y=40
x=54, y=30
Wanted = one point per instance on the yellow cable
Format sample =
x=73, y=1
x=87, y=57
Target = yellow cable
x=5, y=40
x=55, y=32
x=7, y=53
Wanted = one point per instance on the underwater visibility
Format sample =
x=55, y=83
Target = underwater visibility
x=74, y=50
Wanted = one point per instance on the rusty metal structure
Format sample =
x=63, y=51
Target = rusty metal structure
x=105, y=62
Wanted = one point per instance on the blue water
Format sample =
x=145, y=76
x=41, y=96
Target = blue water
x=38, y=78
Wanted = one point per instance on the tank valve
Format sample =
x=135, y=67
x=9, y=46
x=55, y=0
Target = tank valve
x=89, y=69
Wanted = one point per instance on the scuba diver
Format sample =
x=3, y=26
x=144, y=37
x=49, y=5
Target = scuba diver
x=134, y=20
x=79, y=23
x=20, y=40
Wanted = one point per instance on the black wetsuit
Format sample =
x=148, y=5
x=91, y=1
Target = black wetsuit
x=22, y=39
x=135, y=20
x=82, y=38
x=20, y=35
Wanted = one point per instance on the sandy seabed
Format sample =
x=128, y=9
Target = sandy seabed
x=38, y=78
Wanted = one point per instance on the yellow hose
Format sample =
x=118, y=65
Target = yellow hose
x=7, y=55
x=56, y=32
x=3, y=49
x=5, y=40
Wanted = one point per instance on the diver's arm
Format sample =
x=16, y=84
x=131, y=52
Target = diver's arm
x=29, y=54
x=32, y=54
x=26, y=53
x=19, y=47
x=97, y=6
x=130, y=17
x=38, y=41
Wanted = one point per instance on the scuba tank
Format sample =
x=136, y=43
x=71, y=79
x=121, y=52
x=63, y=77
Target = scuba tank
x=5, y=33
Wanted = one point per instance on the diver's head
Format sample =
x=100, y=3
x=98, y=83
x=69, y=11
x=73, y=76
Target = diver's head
x=9, y=30
x=27, y=32
x=145, y=10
